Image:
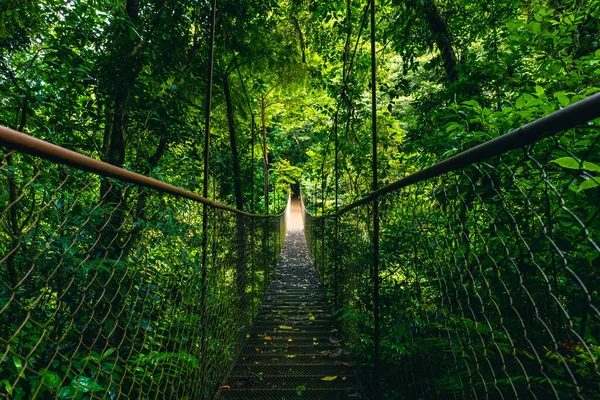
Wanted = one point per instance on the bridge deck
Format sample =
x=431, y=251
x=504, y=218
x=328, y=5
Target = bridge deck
x=293, y=350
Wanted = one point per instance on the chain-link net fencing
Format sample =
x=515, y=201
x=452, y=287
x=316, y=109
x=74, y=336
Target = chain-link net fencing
x=490, y=277
x=103, y=293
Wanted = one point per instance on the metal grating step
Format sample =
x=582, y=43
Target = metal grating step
x=269, y=326
x=317, y=307
x=294, y=342
x=292, y=349
x=288, y=394
x=282, y=342
x=286, y=320
x=289, y=382
x=328, y=369
x=289, y=359
x=295, y=335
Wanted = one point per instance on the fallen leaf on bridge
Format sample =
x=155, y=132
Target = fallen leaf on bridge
x=329, y=378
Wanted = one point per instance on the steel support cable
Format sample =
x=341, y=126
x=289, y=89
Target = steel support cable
x=346, y=73
x=205, y=192
x=344, y=84
x=375, y=205
x=347, y=69
x=362, y=26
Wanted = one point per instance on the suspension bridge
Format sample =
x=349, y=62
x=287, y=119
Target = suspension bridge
x=477, y=277
x=116, y=285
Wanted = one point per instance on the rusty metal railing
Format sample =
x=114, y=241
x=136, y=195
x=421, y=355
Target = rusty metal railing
x=101, y=279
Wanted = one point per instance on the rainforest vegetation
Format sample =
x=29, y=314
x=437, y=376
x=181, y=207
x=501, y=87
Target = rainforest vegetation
x=490, y=276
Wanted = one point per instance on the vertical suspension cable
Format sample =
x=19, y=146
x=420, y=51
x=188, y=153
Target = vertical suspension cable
x=205, y=194
x=336, y=222
x=375, y=206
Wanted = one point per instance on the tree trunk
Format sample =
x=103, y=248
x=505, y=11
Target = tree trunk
x=298, y=29
x=114, y=138
x=241, y=276
x=112, y=242
x=442, y=39
x=237, y=180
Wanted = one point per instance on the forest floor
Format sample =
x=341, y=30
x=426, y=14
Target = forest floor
x=294, y=349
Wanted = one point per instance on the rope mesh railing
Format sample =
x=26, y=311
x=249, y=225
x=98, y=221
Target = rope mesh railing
x=101, y=290
x=489, y=276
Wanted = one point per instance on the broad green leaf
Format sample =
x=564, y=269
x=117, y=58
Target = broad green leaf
x=7, y=386
x=18, y=363
x=285, y=327
x=66, y=392
x=19, y=366
x=572, y=163
x=107, y=353
x=51, y=379
x=472, y=103
x=562, y=99
x=329, y=378
x=84, y=384
x=536, y=27
x=539, y=90
x=590, y=183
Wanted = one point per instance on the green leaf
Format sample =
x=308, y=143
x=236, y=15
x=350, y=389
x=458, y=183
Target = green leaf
x=562, y=99
x=18, y=363
x=7, y=386
x=66, y=392
x=329, y=378
x=107, y=353
x=590, y=183
x=539, y=90
x=536, y=27
x=83, y=384
x=572, y=163
x=472, y=103
x=19, y=366
x=51, y=379
x=300, y=389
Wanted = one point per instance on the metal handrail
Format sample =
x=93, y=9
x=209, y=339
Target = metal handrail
x=563, y=119
x=15, y=140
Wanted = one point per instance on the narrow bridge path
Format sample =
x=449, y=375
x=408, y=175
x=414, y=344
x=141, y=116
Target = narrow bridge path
x=293, y=350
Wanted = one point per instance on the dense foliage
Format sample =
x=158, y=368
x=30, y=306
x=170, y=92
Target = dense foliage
x=125, y=81
x=488, y=275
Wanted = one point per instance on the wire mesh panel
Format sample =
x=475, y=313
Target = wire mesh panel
x=102, y=291
x=490, y=277
x=345, y=268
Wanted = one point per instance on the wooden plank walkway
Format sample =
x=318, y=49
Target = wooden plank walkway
x=294, y=349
